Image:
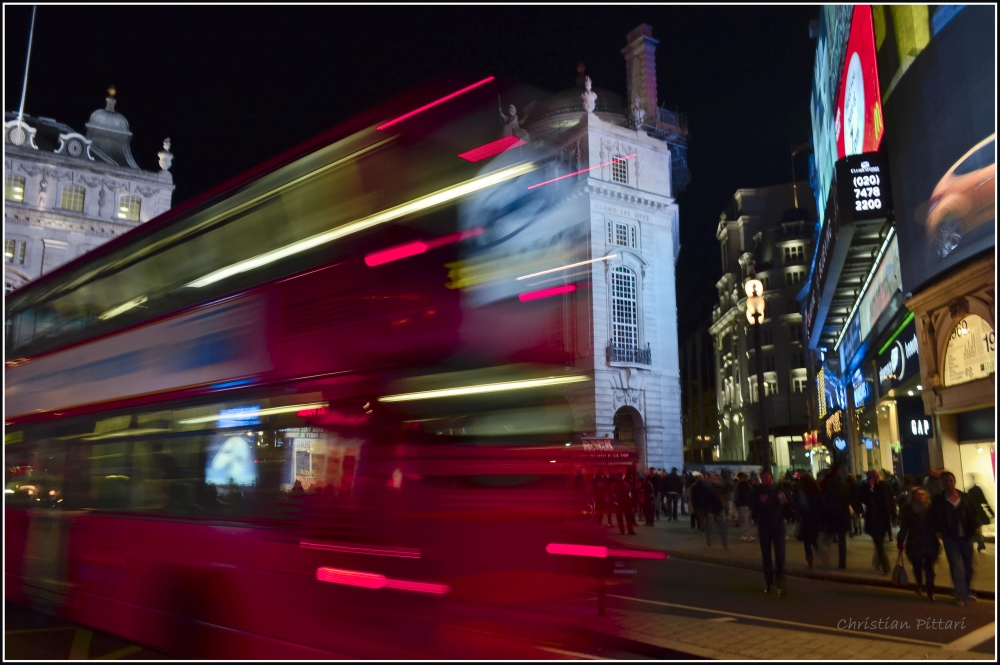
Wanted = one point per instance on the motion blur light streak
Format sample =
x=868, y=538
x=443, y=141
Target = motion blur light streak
x=601, y=552
x=484, y=388
x=572, y=265
x=430, y=200
x=261, y=412
x=418, y=247
x=570, y=175
x=398, y=552
x=124, y=307
x=547, y=293
x=376, y=581
x=435, y=103
x=492, y=148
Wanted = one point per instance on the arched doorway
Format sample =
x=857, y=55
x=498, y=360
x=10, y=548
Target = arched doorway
x=630, y=431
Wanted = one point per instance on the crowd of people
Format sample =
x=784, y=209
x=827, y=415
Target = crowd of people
x=922, y=514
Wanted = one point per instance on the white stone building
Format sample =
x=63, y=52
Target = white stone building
x=630, y=215
x=66, y=193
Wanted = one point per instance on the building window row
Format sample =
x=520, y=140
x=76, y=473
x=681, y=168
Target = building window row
x=14, y=251
x=794, y=277
x=13, y=188
x=794, y=253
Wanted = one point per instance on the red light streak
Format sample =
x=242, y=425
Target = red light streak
x=492, y=148
x=376, y=581
x=409, y=249
x=399, y=552
x=547, y=293
x=570, y=175
x=601, y=552
x=435, y=103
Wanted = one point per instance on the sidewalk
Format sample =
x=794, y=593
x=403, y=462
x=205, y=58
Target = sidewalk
x=740, y=641
x=683, y=542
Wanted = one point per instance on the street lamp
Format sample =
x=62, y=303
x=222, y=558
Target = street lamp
x=755, y=314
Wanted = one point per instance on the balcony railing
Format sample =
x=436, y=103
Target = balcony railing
x=623, y=354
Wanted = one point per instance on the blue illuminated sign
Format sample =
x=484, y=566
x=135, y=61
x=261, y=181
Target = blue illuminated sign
x=240, y=416
x=840, y=443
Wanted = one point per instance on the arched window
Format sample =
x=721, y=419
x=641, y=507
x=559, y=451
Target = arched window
x=624, y=309
x=72, y=198
x=13, y=187
x=128, y=208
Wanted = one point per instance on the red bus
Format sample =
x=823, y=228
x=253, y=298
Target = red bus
x=313, y=413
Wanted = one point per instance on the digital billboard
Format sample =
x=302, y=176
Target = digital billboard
x=858, y=124
x=940, y=111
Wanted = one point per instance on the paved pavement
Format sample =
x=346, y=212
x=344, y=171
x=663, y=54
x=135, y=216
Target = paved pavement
x=681, y=541
x=31, y=635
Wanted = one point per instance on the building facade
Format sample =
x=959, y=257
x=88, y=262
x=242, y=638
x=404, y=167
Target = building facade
x=66, y=192
x=634, y=156
x=701, y=427
x=901, y=303
x=761, y=234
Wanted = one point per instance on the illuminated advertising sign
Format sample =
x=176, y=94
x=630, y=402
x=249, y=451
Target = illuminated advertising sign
x=900, y=361
x=230, y=461
x=886, y=283
x=941, y=109
x=821, y=265
x=921, y=427
x=861, y=385
x=831, y=42
x=971, y=352
x=863, y=188
x=858, y=124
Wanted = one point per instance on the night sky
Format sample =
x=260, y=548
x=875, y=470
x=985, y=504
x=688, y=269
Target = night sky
x=233, y=86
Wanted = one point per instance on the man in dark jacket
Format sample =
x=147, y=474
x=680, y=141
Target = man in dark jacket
x=769, y=513
x=621, y=498
x=674, y=488
x=880, y=512
x=715, y=518
x=954, y=518
x=836, y=512
x=978, y=499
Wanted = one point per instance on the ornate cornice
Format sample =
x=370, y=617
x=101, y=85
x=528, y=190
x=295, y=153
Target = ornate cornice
x=640, y=201
x=86, y=225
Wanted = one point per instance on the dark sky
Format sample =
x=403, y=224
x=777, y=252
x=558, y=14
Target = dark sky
x=232, y=86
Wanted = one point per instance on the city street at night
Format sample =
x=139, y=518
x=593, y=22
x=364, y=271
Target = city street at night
x=396, y=333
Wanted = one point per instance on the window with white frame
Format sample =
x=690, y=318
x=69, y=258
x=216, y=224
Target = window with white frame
x=13, y=187
x=72, y=198
x=793, y=253
x=799, y=385
x=129, y=208
x=624, y=309
x=794, y=277
x=619, y=170
x=14, y=251
x=623, y=234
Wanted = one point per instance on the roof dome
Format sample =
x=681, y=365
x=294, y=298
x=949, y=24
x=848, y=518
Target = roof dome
x=564, y=109
x=109, y=132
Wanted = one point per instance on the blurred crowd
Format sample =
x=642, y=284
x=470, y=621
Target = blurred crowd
x=921, y=514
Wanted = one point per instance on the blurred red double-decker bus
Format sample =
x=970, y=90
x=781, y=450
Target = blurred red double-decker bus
x=312, y=413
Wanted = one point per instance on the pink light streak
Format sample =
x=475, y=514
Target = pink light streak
x=398, y=552
x=376, y=581
x=492, y=148
x=569, y=175
x=601, y=552
x=409, y=249
x=547, y=293
x=435, y=103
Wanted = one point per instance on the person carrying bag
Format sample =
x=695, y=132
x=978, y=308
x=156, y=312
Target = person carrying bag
x=899, y=577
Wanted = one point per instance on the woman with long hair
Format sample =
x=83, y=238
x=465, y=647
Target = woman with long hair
x=918, y=538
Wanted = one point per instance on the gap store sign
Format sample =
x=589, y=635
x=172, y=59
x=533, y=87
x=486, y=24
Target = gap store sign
x=901, y=360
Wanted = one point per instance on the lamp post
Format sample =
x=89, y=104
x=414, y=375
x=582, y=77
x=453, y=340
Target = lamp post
x=755, y=314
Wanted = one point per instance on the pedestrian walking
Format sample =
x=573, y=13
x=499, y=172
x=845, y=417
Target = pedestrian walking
x=602, y=489
x=686, y=479
x=880, y=509
x=621, y=497
x=954, y=518
x=808, y=506
x=674, y=484
x=743, y=498
x=715, y=512
x=660, y=482
x=836, y=513
x=918, y=538
x=982, y=508
x=769, y=513
x=696, y=498
x=647, y=494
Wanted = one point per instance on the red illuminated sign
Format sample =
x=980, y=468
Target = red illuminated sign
x=858, y=124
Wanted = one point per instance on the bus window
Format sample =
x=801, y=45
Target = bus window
x=108, y=475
